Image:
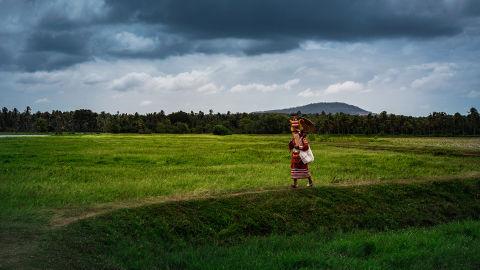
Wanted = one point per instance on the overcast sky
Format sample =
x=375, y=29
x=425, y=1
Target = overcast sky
x=406, y=57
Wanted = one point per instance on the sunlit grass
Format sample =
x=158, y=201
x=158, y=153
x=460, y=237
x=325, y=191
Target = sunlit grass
x=62, y=171
x=41, y=177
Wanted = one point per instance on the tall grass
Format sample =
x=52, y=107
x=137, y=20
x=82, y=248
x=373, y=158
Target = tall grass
x=449, y=246
x=40, y=175
x=163, y=236
x=67, y=171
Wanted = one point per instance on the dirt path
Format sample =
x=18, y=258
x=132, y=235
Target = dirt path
x=65, y=216
x=16, y=249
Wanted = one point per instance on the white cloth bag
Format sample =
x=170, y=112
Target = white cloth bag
x=307, y=156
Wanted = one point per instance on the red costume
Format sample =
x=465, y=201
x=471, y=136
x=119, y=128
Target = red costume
x=298, y=168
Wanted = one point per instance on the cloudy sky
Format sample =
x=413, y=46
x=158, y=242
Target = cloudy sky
x=407, y=57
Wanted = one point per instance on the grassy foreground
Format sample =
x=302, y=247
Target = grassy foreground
x=160, y=236
x=447, y=246
x=43, y=178
x=451, y=246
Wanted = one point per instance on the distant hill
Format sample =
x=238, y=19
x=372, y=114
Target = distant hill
x=327, y=107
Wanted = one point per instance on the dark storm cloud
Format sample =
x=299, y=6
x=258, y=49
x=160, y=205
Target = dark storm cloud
x=59, y=34
x=4, y=56
x=271, y=46
x=63, y=42
x=57, y=22
x=472, y=8
x=304, y=19
x=50, y=50
x=34, y=61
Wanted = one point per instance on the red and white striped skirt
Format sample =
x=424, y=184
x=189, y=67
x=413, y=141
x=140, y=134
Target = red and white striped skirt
x=298, y=173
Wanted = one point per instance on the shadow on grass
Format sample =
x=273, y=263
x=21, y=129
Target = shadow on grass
x=132, y=238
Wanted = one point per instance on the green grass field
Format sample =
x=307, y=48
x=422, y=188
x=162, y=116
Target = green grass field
x=204, y=201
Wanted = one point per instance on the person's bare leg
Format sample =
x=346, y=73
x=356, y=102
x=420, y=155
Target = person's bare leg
x=310, y=182
x=294, y=185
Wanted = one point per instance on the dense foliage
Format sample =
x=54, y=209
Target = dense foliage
x=435, y=124
x=221, y=130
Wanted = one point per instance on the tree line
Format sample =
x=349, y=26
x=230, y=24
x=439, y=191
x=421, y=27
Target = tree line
x=435, y=124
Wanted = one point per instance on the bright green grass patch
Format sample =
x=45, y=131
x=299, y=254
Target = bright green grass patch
x=472, y=143
x=452, y=146
x=61, y=171
x=40, y=174
x=459, y=143
x=450, y=246
x=156, y=236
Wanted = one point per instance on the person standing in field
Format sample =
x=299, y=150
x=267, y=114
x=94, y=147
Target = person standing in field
x=299, y=142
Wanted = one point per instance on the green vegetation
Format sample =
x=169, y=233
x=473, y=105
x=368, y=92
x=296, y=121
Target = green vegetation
x=68, y=171
x=221, y=130
x=76, y=182
x=450, y=246
x=435, y=124
x=132, y=238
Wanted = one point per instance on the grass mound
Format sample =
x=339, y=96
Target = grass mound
x=147, y=237
x=447, y=246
